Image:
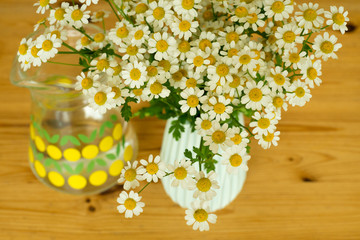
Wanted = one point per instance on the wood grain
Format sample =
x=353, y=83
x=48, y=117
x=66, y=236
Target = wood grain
x=307, y=188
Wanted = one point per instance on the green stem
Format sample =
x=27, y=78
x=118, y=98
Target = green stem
x=83, y=32
x=69, y=64
x=200, y=149
x=103, y=24
x=122, y=13
x=113, y=9
x=239, y=124
x=66, y=52
x=144, y=187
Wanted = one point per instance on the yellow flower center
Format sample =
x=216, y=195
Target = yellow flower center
x=252, y=18
x=278, y=7
x=310, y=15
x=257, y=53
x=34, y=52
x=278, y=102
x=135, y=74
x=180, y=173
x=312, y=73
x=237, y=139
x=338, y=18
x=191, y=83
x=102, y=64
x=141, y=8
x=23, y=49
x=132, y=50
x=255, y=95
x=177, y=76
x=232, y=52
x=294, y=58
x=122, y=32
x=59, y=14
x=117, y=92
x=87, y=83
x=156, y=88
x=204, y=43
x=232, y=36
x=99, y=37
x=100, y=98
x=200, y=215
x=138, y=34
x=300, y=92
x=208, y=15
x=44, y=3
x=206, y=124
x=137, y=92
x=235, y=160
x=47, y=45
x=152, y=168
x=56, y=33
x=198, y=61
x=279, y=79
x=187, y=4
x=152, y=71
x=162, y=45
x=85, y=41
x=184, y=46
x=159, y=13
x=130, y=204
x=117, y=69
x=184, y=26
x=77, y=15
x=236, y=82
x=219, y=108
x=264, y=123
x=212, y=59
x=130, y=175
x=204, y=184
x=327, y=47
x=269, y=137
x=289, y=37
x=99, y=14
x=165, y=64
x=218, y=137
x=192, y=101
x=222, y=70
x=245, y=59
x=241, y=12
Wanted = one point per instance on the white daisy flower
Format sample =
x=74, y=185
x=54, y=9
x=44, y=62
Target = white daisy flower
x=204, y=185
x=102, y=64
x=130, y=176
x=33, y=56
x=256, y=95
x=199, y=216
x=264, y=122
x=298, y=94
x=235, y=87
x=100, y=40
x=23, y=49
x=182, y=173
x=59, y=32
x=57, y=15
x=159, y=13
x=120, y=90
x=48, y=45
x=42, y=21
x=288, y=36
x=132, y=52
x=206, y=40
x=120, y=33
x=197, y=60
x=294, y=58
x=311, y=71
x=278, y=79
x=240, y=137
x=309, y=17
x=240, y=13
x=138, y=94
x=130, y=204
x=268, y=139
x=163, y=46
x=134, y=74
x=221, y=73
x=220, y=108
x=43, y=5
x=178, y=78
x=278, y=102
x=245, y=59
x=184, y=28
x=89, y=2
x=101, y=99
x=337, y=18
x=254, y=19
x=279, y=9
x=156, y=89
x=192, y=98
x=153, y=170
x=86, y=82
x=192, y=80
x=139, y=35
x=83, y=42
x=230, y=34
x=77, y=17
x=170, y=66
x=235, y=158
x=326, y=46
x=219, y=136
x=232, y=50
x=184, y=48
x=99, y=16
x=187, y=8
x=203, y=124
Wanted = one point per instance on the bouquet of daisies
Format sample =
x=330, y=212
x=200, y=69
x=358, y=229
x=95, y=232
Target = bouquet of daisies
x=199, y=62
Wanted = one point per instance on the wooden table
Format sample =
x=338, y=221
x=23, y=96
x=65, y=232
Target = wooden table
x=307, y=188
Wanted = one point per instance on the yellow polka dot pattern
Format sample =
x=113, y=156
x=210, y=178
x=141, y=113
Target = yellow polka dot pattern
x=116, y=167
x=90, y=151
x=40, y=169
x=128, y=153
x=98, y=178
x=56, y=179
x=106, y=144
x=77, y=182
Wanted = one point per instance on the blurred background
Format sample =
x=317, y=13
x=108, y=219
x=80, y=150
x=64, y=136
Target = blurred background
x=306, y=188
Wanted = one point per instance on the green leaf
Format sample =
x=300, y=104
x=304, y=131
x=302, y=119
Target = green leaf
x=57, y=166
x=46, y=135
x=100, y=162
x=123, y=141
x=54, y=138
x=109, y=124
x=114, y=117
x=126, y=109
x=79, y=168
x=93, y=135
x=74, y=140
x=176, y=128
x=68, y=168
x=83, y=138
x=48, y=162
x=64, y=140
x=111, y=156
x=40, y=156
x=102, y=130
x=118, y=149
x=90, y=166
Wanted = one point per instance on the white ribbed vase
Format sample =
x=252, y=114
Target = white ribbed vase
x=172, y=150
